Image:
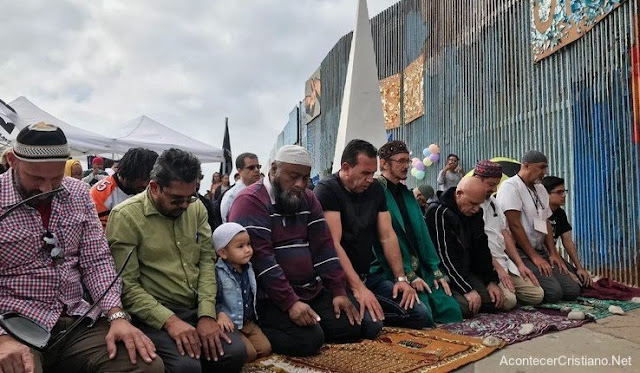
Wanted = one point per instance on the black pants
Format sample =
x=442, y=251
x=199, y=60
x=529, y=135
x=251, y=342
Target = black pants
x=235, y=354
x=478, y=285
x=288, y=338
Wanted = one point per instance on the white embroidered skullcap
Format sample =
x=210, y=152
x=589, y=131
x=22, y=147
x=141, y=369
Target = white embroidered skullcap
x=294, y=154
x=225, y=233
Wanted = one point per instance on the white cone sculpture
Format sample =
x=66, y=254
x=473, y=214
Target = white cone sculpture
x=361, y=116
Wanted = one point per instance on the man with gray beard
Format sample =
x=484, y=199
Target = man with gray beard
x=302, y=300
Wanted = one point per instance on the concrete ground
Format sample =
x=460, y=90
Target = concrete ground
x=611, y=345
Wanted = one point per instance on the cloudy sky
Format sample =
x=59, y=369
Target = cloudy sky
x=187, y=64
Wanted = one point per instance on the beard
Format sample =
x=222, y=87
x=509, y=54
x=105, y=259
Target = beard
x=287, y=202
x=24, y=193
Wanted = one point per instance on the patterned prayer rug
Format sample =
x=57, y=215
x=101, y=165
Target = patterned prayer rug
x=592, y=307
x=394, y=351
x=507, y=325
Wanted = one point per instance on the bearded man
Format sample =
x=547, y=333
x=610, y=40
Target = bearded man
x=302, y=300
x=51, y=249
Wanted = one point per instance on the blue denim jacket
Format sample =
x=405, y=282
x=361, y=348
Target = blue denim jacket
x=229, y=298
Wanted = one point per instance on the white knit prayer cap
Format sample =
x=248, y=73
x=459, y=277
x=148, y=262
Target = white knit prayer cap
x=225, y=233
x=294, y=154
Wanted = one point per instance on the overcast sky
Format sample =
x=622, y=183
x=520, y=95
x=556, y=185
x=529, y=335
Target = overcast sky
x=187, y=64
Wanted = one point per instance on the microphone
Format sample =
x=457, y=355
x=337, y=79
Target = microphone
x=27, y=200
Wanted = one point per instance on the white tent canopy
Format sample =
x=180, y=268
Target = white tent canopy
x=80, y=141
x=140, y=132
x=147, y=133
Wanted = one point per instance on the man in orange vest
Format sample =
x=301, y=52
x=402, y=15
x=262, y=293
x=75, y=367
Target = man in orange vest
x=132, y=178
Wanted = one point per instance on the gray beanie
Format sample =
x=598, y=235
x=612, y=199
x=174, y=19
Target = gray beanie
x=225, y=233
x=426, y=190
x=534, y=156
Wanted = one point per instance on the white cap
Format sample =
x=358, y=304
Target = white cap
x=224, y=234
x=294, y=154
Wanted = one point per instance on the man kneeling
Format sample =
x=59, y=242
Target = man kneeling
x=455, y=221
x=302, y=300
x=170, y=282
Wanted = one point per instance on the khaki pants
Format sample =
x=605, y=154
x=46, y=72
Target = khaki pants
x=85, y=350
x=256, y=342
x=526, y=292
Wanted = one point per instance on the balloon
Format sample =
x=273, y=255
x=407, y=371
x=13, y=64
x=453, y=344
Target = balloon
x=425, y=152
x=419, y=166
x=434, y=149
x=434, y=157
x=427, y=162
x=415, y=161
x=419, y=175
x=413, y=172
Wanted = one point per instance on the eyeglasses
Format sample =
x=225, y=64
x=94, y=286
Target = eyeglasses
x=561, y=192
x=180, y=200
x=401, y=161
x=51, y=245
x=253, y=167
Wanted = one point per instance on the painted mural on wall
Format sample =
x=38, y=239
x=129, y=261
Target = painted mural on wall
x=312, y=96
x=414, y=90
x=390, y=93
x=557, y=23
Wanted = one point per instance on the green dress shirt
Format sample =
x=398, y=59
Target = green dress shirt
x=172, y=265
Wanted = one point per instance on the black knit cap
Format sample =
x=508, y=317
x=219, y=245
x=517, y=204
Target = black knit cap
x=41, y=142
x=392, y=148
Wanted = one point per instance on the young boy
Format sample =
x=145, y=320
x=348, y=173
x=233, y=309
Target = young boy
x=236, y=298
x=561, y=227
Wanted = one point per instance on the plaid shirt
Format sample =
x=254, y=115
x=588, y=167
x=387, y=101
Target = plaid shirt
x=30, y=283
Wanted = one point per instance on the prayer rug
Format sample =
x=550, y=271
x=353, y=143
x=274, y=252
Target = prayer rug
x=394, y=351
x=507, y=325
x=593, y=308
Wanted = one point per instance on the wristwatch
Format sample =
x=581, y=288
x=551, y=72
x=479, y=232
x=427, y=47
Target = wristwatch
x=402, y=279
x=119, y=315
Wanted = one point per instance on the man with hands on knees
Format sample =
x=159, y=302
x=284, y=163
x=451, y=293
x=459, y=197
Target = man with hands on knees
x=562, y=228
x=302, y=301
x=456, y=223
x=517, y=281
x=357, y=215
x=58, y=240
x=419, y=259
x=525, y=203
x=170, y=283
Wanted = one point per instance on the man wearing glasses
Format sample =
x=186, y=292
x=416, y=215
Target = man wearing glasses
x=169, y=283
x=249, y=170
x=358, y=218
x=49, y=248
x=561, y=227
x=525, y=203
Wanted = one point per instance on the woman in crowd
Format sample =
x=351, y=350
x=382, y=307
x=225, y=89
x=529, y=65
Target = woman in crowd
x=73, y=168
x=216, y=181
x=223, y=187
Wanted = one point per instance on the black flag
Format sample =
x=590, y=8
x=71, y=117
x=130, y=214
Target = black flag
x=226, y=167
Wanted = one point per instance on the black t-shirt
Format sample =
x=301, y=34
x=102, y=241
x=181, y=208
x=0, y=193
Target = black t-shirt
x=559, y=223
x=358, y=214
